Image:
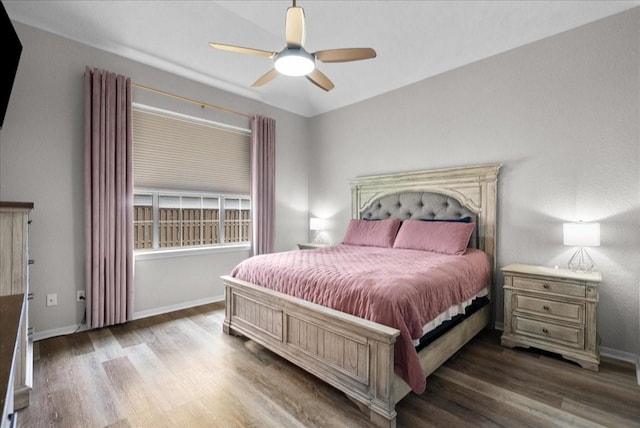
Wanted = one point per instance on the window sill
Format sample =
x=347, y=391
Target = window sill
x=185, y=252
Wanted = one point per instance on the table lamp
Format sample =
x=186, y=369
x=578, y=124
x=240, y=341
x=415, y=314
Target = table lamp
x=318, y=225
x=581, y=235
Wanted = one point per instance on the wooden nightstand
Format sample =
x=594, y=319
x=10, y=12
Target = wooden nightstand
x=311, y=246
x=554, y=310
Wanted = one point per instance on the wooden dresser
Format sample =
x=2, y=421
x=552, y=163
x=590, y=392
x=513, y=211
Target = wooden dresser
x=11, y=309
x=554, y=310
x=14, y=280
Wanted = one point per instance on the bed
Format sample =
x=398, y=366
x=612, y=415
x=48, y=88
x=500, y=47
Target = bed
x=357, y=355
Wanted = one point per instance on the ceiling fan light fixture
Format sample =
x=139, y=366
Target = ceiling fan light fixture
x=294, y=59
x=294, y=62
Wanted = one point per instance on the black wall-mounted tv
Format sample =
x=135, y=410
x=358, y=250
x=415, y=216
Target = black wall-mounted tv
x=11, y=50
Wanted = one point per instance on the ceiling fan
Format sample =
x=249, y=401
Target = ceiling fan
x=294, y=60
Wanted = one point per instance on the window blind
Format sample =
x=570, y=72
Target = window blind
x=174, y=153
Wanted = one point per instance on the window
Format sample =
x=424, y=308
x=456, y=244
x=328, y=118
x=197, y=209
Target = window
x=164, y=220
x=237, y=219
x=191, y=182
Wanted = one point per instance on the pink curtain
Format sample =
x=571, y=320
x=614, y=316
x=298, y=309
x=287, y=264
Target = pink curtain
x=108, y=198
x=263, y=172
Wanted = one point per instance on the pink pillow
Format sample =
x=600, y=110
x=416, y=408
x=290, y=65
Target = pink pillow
x=372, y=233
x=440, y=236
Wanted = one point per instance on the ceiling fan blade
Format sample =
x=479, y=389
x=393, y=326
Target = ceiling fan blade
x=320, y=80
x=345, y=55
x=266, y=78
x=239, y=49
x=295, y=27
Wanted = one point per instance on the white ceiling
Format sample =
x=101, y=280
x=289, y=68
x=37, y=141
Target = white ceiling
x=413, y=39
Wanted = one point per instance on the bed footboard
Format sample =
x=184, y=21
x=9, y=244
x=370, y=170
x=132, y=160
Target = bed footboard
x=352, y=354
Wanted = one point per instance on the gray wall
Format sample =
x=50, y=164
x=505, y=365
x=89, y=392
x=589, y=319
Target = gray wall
x=41, y=160
x=561, y=115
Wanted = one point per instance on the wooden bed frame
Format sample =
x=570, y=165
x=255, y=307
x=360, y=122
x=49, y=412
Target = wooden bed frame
x=353, y=354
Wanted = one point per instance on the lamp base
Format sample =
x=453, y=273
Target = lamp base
x=581, y=261
x=318, y=239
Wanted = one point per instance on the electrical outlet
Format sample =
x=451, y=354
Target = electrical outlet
x=52, y=299
x=80, y=295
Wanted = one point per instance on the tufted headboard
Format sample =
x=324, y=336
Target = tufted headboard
x=442, y=194
x=417, y=205
x=420, y=206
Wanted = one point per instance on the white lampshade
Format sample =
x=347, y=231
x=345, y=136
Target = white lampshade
x=581, y=234
x=317, y=223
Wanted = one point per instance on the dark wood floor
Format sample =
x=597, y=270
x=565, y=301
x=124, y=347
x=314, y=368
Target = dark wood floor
x=180, y=370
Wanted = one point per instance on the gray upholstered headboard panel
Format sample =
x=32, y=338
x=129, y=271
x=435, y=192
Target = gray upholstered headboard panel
x=419, y=206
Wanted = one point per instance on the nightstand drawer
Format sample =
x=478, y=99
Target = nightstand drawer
x=567, y=336
x=572, y=312
x=544, y=286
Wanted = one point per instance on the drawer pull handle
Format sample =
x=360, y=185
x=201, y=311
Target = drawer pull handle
x=544, y=330
x=545, y=307
x=546, y=286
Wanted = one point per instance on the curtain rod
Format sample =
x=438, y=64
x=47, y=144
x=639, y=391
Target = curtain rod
x=189, y=100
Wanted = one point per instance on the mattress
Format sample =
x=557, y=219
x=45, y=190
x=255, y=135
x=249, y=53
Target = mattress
x=451, y=313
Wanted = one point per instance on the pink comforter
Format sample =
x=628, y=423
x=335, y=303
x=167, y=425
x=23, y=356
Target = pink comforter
x=403, y=289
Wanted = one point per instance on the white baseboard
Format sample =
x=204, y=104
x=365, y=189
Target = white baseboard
x=619, y=355
x=46, y=334
x=623, y=356
x=176, y=307
x=62, y=331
